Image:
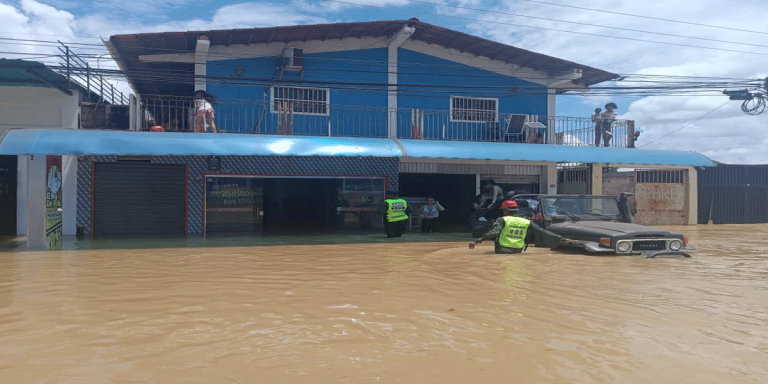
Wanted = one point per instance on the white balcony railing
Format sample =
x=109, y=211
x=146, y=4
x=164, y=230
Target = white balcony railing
x=172, y=113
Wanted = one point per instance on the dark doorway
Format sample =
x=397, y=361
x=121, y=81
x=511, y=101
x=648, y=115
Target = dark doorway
x=298, y=204
x=8, y=188
x=455, y=192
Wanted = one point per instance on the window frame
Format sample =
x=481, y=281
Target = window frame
x=327, y=99
x=451, y=109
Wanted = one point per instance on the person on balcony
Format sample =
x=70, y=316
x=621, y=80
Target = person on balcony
x=604, y=124
x=430, y=214
x=509, y=231
x=203, y=112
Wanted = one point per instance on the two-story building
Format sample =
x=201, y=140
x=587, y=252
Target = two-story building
x=317, y=120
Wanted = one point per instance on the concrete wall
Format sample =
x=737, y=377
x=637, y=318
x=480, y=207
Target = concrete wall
x=616, y=183
x=38, y=107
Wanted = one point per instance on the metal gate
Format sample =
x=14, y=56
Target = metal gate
x=661, y=197
x=573, y=180
x=134, y=197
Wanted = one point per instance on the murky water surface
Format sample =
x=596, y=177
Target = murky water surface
x=389, y=312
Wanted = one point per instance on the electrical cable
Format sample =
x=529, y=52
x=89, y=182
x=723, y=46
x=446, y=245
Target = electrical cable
x=687, y=124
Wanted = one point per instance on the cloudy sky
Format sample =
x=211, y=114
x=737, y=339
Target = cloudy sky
x=606, y=40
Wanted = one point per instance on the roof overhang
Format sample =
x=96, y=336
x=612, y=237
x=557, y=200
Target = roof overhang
x=173, y=52
x=90, y=142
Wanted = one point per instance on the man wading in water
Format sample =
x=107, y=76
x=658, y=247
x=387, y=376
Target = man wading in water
x=394, y=213
x=510, y=231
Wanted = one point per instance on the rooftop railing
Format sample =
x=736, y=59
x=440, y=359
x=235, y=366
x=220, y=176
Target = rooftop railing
x=178, y=114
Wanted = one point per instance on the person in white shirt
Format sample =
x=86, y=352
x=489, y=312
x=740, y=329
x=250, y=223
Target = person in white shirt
x=430, y=214
x=203, y=112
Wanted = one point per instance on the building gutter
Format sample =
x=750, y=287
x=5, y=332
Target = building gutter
x=201, y=61
x=394, y=43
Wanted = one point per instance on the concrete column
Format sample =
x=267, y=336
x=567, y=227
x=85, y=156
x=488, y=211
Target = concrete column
x=597, y=179
x=21, y=196
x=693, y=196
x=548, y=183
x=477, y=184
x=35, y=220
x=69, y=195
x=201, y=61
x=394, y=44
x=551, y=113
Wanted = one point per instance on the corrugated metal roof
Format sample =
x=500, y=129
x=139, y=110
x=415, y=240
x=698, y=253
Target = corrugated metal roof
x=128, y=48
x=29, y=74
x=88, y=142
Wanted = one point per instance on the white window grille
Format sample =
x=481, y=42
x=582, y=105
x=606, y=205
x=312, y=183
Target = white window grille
x=300, y=100
x=474, y=109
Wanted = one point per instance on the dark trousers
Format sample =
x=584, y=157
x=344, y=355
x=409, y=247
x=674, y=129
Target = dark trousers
x=395, y=229
x=430, y=225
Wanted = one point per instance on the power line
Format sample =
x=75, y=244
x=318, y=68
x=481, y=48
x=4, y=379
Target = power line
x=687, y=124
x=551, y=29
x=586, y=24
x=646, y=17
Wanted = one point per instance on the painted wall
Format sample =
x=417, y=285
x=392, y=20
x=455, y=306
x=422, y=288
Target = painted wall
x=366, y=66
x=414, y=68
x=38, y=107
x=259, y=165
x=360, y=109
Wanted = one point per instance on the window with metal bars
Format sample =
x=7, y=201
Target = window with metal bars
x=474, y=109
x=300, y=100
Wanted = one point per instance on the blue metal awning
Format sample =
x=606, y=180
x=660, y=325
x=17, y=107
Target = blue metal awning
x=548, y=153
x=88, y=142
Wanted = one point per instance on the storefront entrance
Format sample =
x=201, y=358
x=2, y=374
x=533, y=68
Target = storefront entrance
x=290, y=204
x=8, y=188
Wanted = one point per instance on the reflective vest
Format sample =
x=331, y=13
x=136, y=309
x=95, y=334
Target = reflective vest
x=514, y=231
x=396, y=211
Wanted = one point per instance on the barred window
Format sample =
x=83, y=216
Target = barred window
x=474, y=109
x=302, y=101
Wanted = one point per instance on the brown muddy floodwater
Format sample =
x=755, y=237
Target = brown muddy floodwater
x=389, y=312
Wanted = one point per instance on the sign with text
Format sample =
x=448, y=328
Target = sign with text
x=53, y=206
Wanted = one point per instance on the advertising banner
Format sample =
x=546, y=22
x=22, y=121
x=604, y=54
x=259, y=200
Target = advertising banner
x=53, y=213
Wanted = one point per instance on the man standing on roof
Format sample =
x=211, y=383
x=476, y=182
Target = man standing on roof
x=509, y=231
x=394, y=212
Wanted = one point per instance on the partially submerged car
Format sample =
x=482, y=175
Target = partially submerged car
x=599, y=225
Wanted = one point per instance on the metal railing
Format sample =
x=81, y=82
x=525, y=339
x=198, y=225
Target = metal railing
x=79, y=71
x=178, y=114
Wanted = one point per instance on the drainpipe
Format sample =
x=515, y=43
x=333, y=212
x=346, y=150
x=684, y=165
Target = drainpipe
x=394, y=43
x=201, y=59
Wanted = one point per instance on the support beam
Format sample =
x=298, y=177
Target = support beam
x=36, y=185
x=558, y=80
x=597, y=179
x=549, y=179
x=394, y=43
x=693, y=196
x=551, y=113
x=201, y=61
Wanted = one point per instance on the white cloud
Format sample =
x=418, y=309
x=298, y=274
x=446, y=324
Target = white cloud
x=727, y=135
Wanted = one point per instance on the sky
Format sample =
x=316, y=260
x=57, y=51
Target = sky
x=607, y=40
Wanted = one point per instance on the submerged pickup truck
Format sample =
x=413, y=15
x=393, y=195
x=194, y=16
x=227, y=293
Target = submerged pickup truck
x=599, y=225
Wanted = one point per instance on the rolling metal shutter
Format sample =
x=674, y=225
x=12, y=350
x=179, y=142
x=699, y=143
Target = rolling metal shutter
x=139, y=198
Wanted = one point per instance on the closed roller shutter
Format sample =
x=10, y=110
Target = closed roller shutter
x=139, y=198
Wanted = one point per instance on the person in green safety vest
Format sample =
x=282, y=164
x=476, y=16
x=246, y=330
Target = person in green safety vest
x=394, y=213
x=510, y=231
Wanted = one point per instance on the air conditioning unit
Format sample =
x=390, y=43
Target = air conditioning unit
x=293, y=57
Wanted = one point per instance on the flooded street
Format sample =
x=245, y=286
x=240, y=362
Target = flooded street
x=388, y=312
